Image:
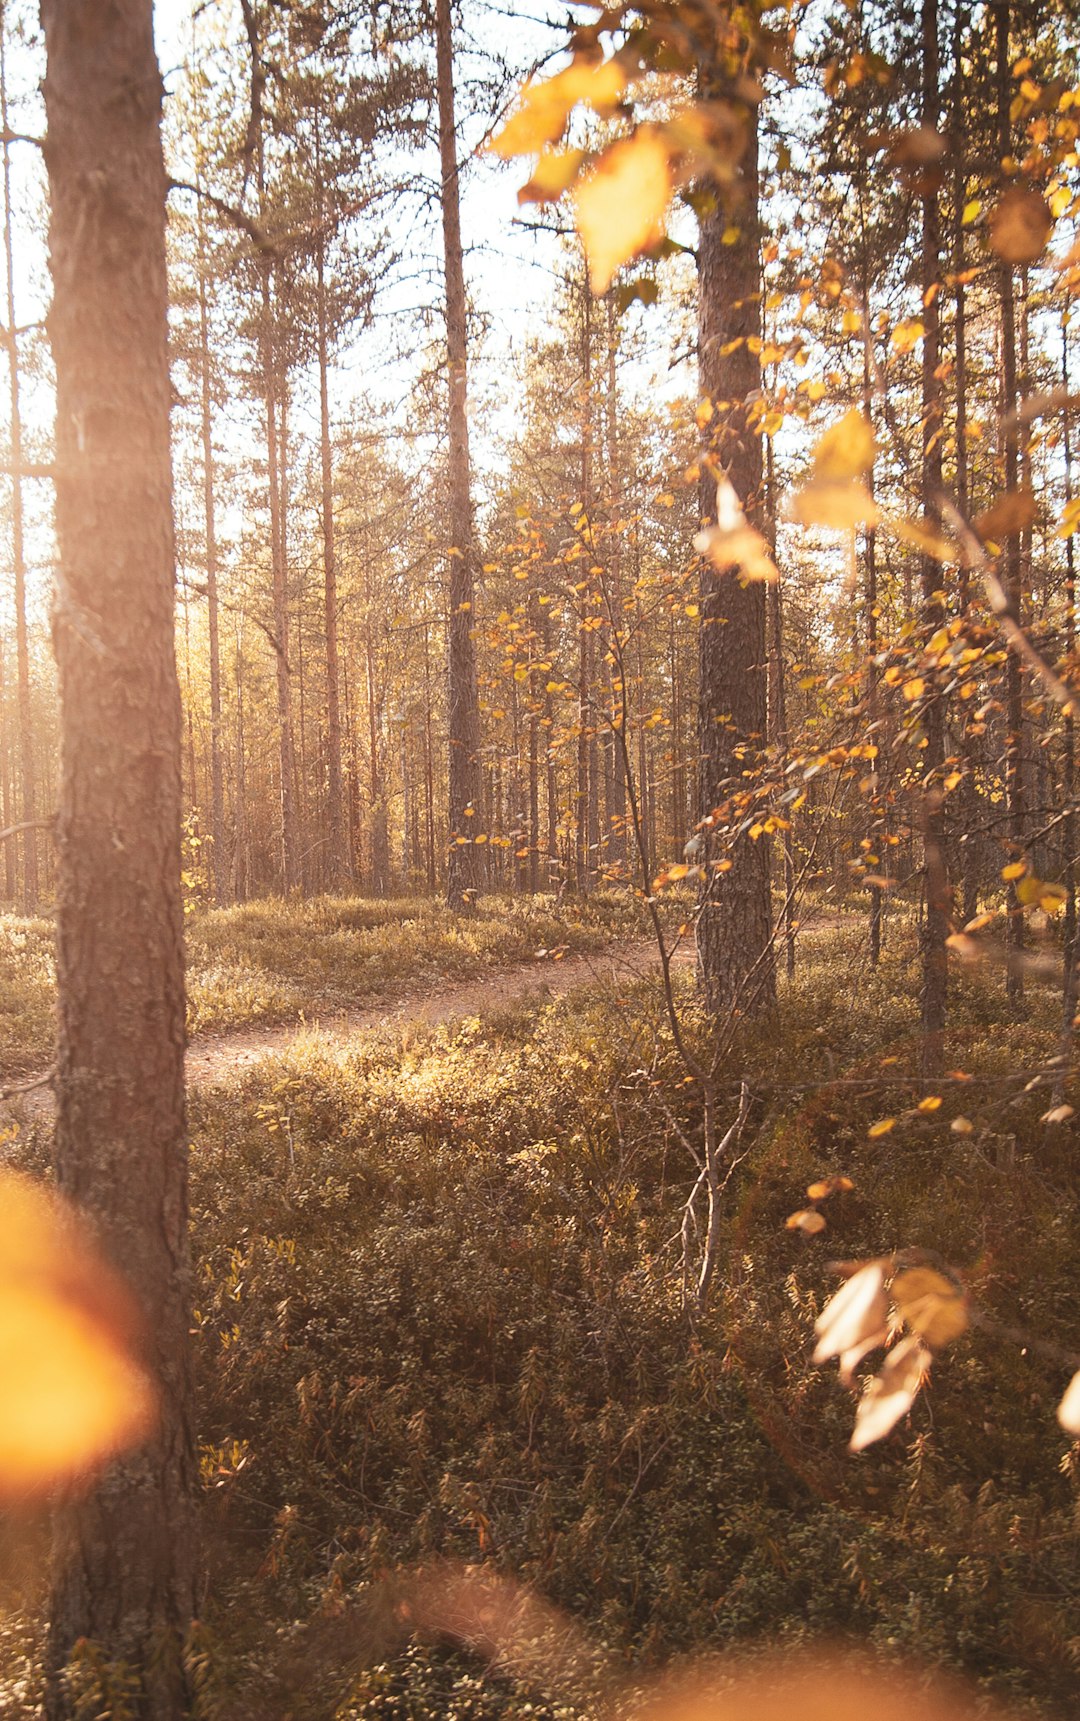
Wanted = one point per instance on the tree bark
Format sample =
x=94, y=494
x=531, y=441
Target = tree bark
x=124, y=1566
x=734, y=934
x=335, y=821
x=27, y=773
x=1014, y=700
x=935, y=972
x=463, y=709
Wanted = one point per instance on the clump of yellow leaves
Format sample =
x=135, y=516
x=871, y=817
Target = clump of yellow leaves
x=918, y=1307
x=622, y=193
x=71, y=1393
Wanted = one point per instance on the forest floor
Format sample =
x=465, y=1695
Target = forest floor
x=218, y=1057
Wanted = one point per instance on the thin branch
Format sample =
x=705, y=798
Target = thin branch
x=45, y=1080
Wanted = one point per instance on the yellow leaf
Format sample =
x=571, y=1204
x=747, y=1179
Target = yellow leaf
x=543, y=107
x=931, y=1103
x=553, y=174
x=907, y=334
x=1015, y=869
x=847, y=448
x=841, y=506
x=1058, y=1114
x=620, y=208
x=914, y=532
x=972, y=211
x=931, y=1305
x=733, y=542
x=856, y=1313
x=882, y=1127
x=71, y=1392
x=829, y=1186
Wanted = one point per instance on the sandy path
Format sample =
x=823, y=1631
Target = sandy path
x=217, y=1057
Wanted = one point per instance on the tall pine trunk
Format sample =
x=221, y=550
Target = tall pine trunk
x=27, y=772
x=734, y=937
x=463, y=705
x=124, y=1571
x=935, y=973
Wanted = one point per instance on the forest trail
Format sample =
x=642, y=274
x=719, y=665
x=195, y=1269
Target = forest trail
x=217, y=1057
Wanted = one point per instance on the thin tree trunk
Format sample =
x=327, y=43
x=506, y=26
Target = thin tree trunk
x=1014, y=702
x=935, y=972
x=27, y=773
x=217, y=781
x=335, y=822
x=463, y=709
x=124, y=1561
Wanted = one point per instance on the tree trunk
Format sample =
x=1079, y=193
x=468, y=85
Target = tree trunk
x=27, y=774
x=335, y=821
x=217, y=783
x=935, y=972
x=463, y=709
x=734, y=935
x=1014, y=700
x=125, y=1553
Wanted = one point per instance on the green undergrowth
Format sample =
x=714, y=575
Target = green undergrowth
x=439, y=1319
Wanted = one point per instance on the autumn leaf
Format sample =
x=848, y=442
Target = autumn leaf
x=834, y=496
x=72, y=1393
x=907, y=335
x=807, y=1220
x=859, y=1310
x=840, y=506
x=621, y=206
x=829, y=1186
x=1020, y=225
x=1011, y=513
x=922, y=537
x=554, y=173
x=544, y=106
x=846, y=450
x=1068, y=1411
x=931, y=1305
x=1058, y=1114
x=891, y=1393
x=733, y=542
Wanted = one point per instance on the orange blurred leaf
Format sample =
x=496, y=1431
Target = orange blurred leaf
x=72, y=1393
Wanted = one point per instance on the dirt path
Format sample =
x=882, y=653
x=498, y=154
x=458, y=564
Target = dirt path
x=216, y=1057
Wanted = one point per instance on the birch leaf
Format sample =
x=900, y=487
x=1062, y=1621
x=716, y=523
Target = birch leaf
x=859, y=1308
x=620, y=208
x=1020, y=225
x=931, y=1305
x=891, y=1393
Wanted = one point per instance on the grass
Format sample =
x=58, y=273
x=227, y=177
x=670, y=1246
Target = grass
x=270, y=961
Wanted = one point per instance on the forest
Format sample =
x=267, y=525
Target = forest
x=538, y=860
